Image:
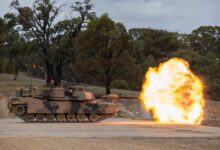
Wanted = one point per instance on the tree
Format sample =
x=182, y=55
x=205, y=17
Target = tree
x=206, y=39
x=102, y=50
x=11, y=44
x=206, y=42
x=2, y=42
x=67, y=31
x=3, y=34
x=39, y=24
x=157, y=43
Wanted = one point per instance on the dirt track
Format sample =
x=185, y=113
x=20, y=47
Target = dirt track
x=106, y=128
x=109, y=144
x=108, y=135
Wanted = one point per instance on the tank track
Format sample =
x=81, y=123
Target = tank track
x=55, y=120
x=59, y=117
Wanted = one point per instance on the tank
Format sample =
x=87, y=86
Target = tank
x=60, y=104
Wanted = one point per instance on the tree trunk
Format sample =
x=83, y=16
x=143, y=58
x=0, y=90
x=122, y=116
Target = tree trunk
x=107, y=87
x=50, y=73
x=57, y=75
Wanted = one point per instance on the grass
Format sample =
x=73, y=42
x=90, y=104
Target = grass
x=8, y=85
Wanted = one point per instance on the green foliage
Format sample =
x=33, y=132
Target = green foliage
x=149, y=62
x=132, y=72
x=206, y=39
x=3, y=33
x=103, y=50
x=158, y=43
x=1, y=66
x=120, y=84
x=213, y=90
x=10, y=68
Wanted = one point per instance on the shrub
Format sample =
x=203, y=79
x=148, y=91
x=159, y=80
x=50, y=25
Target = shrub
x=1, y=66
x=120, y=84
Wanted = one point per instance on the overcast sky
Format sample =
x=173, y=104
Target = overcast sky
x=172, y=15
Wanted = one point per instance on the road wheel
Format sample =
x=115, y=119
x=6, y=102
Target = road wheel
x=93, y=117
x=40, y=117
x=81, y=117
x=71, y=117
x=50, y=117
x=29, y=117
x=60, y=117
x=19, y=110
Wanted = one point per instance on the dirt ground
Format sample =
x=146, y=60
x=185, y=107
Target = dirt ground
x=109, y=128
x=117, y=143
x=111, y=134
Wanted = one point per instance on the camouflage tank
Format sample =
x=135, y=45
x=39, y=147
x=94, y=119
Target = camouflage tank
x=61, y=105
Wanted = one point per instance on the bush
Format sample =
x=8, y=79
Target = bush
x=120, y=84
x=9, y=68
x=1, y=66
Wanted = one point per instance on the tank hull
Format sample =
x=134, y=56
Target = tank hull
x=48, y=106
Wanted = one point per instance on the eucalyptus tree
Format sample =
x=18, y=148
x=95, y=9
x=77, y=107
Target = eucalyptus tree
x=102, y=50
x=43, y=24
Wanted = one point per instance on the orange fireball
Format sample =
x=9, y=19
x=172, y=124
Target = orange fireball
x=173, y=93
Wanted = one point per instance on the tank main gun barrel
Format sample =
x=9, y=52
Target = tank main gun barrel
x=119, y=97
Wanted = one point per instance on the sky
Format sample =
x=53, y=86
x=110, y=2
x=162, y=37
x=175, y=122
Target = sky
x=172, y=15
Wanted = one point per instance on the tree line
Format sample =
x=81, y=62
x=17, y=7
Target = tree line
x=83, y=47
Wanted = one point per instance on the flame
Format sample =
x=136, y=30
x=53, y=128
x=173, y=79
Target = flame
x=173, y=93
